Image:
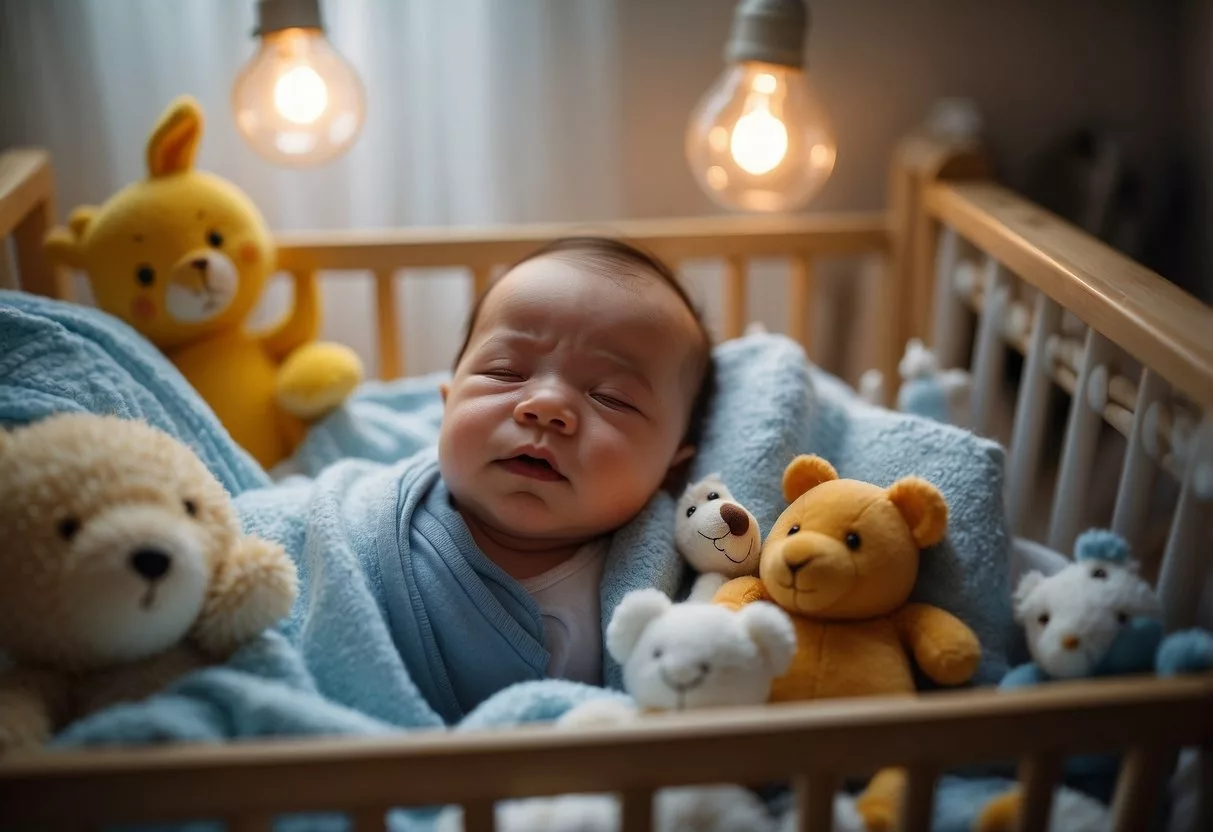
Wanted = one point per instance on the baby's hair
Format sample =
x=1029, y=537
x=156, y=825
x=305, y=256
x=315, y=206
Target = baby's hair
x=613, y=257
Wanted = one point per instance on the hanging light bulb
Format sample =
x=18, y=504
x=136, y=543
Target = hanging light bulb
x=758, y=140
x=297, y=102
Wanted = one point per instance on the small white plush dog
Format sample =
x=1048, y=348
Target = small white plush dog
x=675, y=656
x=716, y=535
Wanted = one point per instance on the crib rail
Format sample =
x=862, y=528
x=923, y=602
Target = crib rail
x=484, y=252
x=810, y=744
x=1149, y=317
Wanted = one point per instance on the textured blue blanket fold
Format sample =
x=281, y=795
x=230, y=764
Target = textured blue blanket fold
x=371, y=646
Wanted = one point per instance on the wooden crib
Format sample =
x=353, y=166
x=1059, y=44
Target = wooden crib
x=977, y=271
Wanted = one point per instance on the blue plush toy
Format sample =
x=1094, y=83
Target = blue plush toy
x=1095, y=617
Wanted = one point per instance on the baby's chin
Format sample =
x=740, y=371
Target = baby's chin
x=527, y=517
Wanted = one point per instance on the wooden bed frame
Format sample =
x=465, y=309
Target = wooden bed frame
x=1141, y=360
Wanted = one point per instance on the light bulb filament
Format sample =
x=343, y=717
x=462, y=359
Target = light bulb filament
x=300, y=95
x=760, y=140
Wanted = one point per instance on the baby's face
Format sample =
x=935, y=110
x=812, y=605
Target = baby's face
x=571, y=401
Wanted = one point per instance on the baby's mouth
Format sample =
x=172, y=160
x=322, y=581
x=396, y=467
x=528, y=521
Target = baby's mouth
x=532, y=467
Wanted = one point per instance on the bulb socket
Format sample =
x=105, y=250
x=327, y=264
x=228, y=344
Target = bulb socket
x=770, y=31
x=276, y=15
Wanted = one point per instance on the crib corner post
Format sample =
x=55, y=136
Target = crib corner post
x=919, y=162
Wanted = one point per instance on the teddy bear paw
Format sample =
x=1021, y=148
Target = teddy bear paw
x=878, y=815
x=249, y=595
x=316, y=378
x=999, y=815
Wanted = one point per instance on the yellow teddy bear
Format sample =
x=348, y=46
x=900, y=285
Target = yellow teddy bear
x=124, y=567
x=843, y=560
x=183, y=256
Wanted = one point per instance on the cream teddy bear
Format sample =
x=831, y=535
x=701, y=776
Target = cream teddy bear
x=716, y=535
x=674, y=656
x=124, y=566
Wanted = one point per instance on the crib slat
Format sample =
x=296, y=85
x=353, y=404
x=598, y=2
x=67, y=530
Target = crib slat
x=370, y=820
x=251, y=822
x=735, y=314
x=800, y=300
x=1028, y=430
x=636, y=811
x=479, y=816
x=990, y=350
x=482, y=276
x=815, y=802
x=1078, y=451
x=950, y=311
x=1180, y=578
x=1137, y=474
x=920, y=799
x=1204, y=808
x=1038, y=776
x=1136, y=789
x=390, y=359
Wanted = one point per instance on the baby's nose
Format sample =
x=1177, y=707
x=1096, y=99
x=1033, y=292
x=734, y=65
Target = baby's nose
x=547, y=411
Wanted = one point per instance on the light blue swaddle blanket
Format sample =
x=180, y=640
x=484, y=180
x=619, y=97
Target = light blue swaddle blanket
x=347, y=660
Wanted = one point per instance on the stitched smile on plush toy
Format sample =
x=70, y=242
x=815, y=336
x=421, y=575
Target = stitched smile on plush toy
x=684, y=688
x=716, y=544
x=201, y=285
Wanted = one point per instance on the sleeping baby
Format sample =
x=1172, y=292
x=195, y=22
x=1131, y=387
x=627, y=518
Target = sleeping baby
x=580, y=386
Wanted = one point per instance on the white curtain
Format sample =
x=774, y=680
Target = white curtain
x=478, y=112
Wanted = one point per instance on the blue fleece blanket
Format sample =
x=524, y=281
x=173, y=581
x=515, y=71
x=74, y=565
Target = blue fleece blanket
x=347, y=660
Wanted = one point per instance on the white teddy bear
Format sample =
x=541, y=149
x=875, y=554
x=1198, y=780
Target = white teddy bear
x=675, y=656
x=716, y=535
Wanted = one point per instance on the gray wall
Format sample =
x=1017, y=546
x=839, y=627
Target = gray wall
x=1037, y=70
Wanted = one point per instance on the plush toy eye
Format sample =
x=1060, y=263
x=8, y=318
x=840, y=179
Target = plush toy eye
x=1122, y=617
x=1099, y=572
x=146, y=275
x=852, y=540
x=690, y=511
x=214, y=238
x=191, y=508
x=1043, y=619
x=68, y=528
x=657, y=653
x=793, y=530
x=712, y=495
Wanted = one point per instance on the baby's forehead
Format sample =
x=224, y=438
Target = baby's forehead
x=578, y=290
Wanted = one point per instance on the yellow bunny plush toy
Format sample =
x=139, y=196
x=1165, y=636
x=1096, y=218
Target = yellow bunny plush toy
x=183, y=256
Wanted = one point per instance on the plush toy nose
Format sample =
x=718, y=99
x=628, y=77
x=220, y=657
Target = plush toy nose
x=199, y=263
x=1070, y=642
x=150, y=563
x=736, y=519
x=795, y=566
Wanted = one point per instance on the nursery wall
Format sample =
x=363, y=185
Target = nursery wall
x=485, y=112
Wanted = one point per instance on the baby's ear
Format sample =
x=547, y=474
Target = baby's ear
x=805, y=473
x=923, y=507
x=635, y=612
x=773, y=634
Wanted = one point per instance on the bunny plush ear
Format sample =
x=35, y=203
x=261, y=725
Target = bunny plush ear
x=635, y=612
x=804, y=473
x=64, y=245
x=1027, y=585
x=174, y=142
x=772, y=632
